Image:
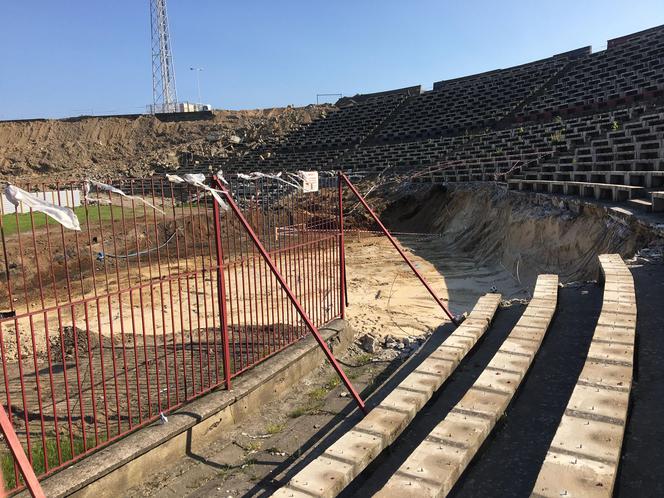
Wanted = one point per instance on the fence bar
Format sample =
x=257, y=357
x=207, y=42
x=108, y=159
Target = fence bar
x=310, y=325
x=396, y=246
x=221, y=296
x=127, y=316
x=343, y=296
x=19, y=455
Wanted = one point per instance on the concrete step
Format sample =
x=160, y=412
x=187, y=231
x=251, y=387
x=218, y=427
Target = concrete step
x=585, y=452
x=437, y=463
x=640, y=204
x=345, y=459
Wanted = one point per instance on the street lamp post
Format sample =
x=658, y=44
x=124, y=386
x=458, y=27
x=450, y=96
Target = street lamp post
x=198, y=81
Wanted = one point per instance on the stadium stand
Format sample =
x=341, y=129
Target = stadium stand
x=617, y=156
x=356, y=118
x=629, y=70
x=578, y=123
x=471, y=103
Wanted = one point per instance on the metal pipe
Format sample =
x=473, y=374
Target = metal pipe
x=343, y=297
x=396, y=246
x=19, y=455
x=221, y=296
x=296, y=303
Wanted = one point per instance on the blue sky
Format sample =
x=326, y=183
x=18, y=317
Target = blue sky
x=62, y=58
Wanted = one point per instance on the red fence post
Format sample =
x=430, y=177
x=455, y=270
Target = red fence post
x=342, y=253
x=19, y=455
x=291, y=296
x=221, y=295
x=396, y=246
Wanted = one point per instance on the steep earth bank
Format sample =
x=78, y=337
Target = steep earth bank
x=527, y=235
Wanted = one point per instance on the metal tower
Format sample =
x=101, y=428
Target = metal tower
x=164, y=95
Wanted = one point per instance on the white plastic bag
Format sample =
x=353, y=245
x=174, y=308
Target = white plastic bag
x=62, y=214
x=197, y=181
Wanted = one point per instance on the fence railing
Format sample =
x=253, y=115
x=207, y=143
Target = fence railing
x=160, y=297
x=105, y=329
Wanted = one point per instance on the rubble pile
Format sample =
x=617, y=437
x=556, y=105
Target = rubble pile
x=138, y=146
x=389, y=347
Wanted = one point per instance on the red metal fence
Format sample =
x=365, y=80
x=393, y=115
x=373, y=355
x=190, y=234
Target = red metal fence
x=104, y=330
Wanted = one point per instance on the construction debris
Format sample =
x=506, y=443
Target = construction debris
x=111, y=147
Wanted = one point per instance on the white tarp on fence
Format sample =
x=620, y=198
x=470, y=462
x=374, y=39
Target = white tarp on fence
x=70, y=198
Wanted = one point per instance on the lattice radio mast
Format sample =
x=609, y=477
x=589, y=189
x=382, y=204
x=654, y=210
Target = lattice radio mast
x=164, y=95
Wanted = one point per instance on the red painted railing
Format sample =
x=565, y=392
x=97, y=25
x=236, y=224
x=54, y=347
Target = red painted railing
x=161, y=297
x=144, y=309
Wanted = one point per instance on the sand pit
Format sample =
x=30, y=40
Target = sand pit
x=386, y=298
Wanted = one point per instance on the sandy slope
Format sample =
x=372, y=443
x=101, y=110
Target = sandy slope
x=113, y=146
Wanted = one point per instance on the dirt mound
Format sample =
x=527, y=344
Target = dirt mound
x=136, y=146
x=527, y=235
x=71, y=340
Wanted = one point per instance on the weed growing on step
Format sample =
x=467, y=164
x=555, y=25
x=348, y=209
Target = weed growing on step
x=274, y=428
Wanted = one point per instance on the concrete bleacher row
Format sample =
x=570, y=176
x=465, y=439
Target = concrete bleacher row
x=355, y=119
x=576, y=123
x=607, y=158
x=331, y=472
x=629, y=69
x=584, y=454
x=437, y=463
x=469, y=103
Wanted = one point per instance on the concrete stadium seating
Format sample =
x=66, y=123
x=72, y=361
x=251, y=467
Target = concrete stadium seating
x=585, y=452
x=332, y=471
x=436, y=464
x=627, y=71
x=578, y=123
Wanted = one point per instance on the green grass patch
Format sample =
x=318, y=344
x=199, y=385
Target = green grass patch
x=332, y=383
x=318, y=394
x=7, y=460
x=363, y=359
x=91, y=214
x=253, y=446
x=315, y=398
x=299, y=411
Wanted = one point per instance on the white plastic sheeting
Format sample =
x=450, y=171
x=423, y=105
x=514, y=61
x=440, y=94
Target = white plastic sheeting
x=62, y=214
x=115, y=190
x=197, y=181
x=71, y=198
x=256, y=175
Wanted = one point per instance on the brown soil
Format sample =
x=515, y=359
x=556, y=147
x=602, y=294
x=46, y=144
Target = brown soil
x=386, y=298
x=116, y=146
x=526, y=235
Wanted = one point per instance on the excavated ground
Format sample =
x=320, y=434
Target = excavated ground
x=108, y=147
x=525, y=235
